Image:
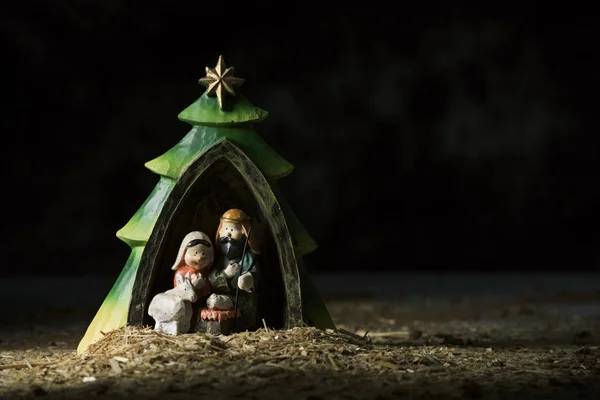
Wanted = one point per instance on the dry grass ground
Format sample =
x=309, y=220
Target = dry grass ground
x=451, y=351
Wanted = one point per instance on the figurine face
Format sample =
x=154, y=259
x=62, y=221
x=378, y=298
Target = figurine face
x=231, y=229
x=198, y=256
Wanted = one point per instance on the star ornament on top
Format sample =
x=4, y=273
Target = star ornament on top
x=220, y=81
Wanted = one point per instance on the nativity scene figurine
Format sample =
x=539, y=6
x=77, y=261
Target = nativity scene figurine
x=225, y=290
x=219, y=181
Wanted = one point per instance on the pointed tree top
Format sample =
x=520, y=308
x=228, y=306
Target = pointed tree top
x=220, y=81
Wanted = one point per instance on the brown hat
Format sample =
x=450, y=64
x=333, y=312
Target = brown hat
x=237, y=215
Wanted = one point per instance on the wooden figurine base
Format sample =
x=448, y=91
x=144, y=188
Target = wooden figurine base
x=215, y=322
x=214, y=327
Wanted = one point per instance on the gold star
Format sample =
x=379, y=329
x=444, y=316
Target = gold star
x=220, y=80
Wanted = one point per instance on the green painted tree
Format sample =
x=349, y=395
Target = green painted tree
x=211, y=123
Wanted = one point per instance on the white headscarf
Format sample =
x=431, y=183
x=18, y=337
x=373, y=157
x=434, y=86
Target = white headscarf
x=187, y=239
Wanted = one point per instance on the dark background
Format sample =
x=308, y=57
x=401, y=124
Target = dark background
x=425, y=141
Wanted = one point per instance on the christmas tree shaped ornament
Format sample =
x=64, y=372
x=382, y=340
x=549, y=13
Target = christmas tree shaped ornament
x=220, y=176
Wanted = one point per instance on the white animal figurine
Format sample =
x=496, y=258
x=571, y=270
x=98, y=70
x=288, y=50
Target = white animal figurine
x=172, y=310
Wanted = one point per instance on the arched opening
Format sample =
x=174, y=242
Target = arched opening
x=221, y=179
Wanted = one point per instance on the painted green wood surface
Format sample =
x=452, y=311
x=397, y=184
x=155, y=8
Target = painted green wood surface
x=206, y=111
x=137, y=231
x=313, y=307
x=303, y=242
x=201, y=138
x=113, y=311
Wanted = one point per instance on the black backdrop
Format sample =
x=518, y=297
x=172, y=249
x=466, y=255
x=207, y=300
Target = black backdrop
x=420, y=142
